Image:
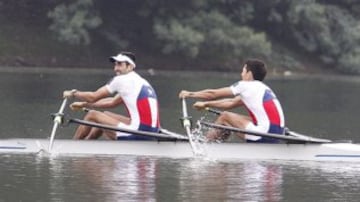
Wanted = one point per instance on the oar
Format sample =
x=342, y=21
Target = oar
x=303, y=139
x=170, y=134
x=187, y=125
x=162, y=134
x=288, y=133
x=58, y=118
x=212, y=110
x=173, y=134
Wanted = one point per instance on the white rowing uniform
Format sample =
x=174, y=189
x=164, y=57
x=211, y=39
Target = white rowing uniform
x=140, y=100
x=263, y=106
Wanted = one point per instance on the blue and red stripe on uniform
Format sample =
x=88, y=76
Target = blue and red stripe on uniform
x=144, y=108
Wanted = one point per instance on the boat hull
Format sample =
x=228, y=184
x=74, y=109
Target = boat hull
x=181, y=149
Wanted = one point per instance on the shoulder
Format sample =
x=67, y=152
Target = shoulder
x=123, y=77
x=119, y=83
x=245, y=84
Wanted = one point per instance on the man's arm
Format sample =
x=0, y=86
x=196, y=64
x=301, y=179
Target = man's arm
x=207, y=94
x=224, y=104
x=109, y=102
x=88, y=96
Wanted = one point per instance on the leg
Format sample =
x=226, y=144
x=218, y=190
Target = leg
x=95, y=133
x=98, y=117
x=119, y=117
x=228, y=119
x=82, y=131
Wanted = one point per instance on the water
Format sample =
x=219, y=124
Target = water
x=124, y=178
x=322, y=107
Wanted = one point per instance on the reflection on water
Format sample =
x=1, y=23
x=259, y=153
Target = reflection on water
x=106, y=178
x=144, y=179
x=325, y=181
x=129, y=178
x=216, y=181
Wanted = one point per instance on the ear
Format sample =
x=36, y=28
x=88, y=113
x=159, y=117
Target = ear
x=251, y=76
x=130, y=66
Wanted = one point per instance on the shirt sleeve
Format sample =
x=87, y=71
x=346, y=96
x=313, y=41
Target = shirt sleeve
x=119, y=85
x=110, y=86
x=237, y=88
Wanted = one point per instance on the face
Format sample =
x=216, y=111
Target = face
x=121, y=68
x=246, y=75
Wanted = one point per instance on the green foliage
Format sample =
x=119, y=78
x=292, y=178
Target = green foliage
x=350, y=62
x=210, y=35
x=308, y=24
x=214, y=33
x=328, y=31
x=179, y=37
x=71, y=22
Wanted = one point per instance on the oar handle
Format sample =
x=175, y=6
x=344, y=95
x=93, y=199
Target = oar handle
x=212, y=110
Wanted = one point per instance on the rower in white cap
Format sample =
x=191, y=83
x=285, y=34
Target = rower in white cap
x=130, y=89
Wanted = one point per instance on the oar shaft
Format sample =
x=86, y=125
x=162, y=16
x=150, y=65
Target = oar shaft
x=187, y=126
x=270, y=135
x=62, y=107
x=185, y=119
x=52, y=136
x=184, y=107
x=167, y=136
x=291, y=133
x=173, y=134
x=57, y=121
x=212, y=110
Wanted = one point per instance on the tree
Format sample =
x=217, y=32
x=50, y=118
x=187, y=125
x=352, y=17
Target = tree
x=71, y=23
x=220, y=33
x=209, y=34
x=329, y=32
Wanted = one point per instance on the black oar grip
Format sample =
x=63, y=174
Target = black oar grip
x=212, y=110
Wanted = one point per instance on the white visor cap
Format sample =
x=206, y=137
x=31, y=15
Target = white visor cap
x=122, y=58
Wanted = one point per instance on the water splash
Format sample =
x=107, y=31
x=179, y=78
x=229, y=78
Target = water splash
x=200, y=141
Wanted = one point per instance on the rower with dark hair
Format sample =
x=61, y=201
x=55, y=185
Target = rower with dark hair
x=265, y=111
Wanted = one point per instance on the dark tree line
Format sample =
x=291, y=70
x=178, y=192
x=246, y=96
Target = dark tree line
x=219, y=34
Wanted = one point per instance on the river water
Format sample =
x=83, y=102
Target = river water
x=325, y=107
